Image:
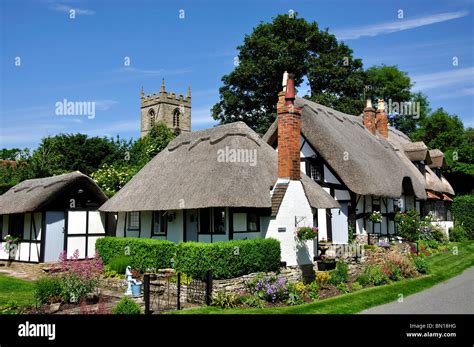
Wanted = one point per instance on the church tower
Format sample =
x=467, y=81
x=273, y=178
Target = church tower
x=169, y=108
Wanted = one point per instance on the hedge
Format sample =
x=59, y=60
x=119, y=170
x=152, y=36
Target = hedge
x=228, y=259
x=144, y=253
x=462, y=211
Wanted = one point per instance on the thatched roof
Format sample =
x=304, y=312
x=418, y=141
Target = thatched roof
x=188, y=174
x=437, y=159
x=433, y=182
x=372, y=167
x=317, y=196
x=35, y=194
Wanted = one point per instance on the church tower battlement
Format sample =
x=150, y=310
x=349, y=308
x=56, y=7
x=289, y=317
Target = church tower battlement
x=167, y=107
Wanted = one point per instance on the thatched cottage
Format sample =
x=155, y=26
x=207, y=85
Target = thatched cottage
x=430, y=165
x=51, y=215
x=365, y=165
x=225, y=183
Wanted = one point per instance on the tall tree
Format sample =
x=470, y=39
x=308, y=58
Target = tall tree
x=288, y=44
x=446, y=132
x=70, y=152
x=405, y=109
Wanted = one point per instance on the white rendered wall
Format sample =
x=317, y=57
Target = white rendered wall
x=294, y=204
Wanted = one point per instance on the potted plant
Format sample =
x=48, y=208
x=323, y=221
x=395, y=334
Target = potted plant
x=375, y=217
x=326, y=263
x=10, y=246
x=306, y=233
x=136, y=283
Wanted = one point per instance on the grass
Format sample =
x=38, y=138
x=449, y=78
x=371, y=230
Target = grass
x=16, y=290
x=442, y=267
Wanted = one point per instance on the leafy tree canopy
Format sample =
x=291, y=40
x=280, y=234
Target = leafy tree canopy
x=288, y=44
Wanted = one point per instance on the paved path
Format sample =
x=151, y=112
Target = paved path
x=453, y=296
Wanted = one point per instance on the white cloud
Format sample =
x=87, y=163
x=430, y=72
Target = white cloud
x=67, y=9
x=443, y=78
x=398, y=25
x=456, y=94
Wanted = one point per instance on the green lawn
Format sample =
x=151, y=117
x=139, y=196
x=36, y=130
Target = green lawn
x=443, y=266
x=14, y=289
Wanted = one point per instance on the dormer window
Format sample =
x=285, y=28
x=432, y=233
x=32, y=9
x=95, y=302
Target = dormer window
x=315, y=169
x=421, y=166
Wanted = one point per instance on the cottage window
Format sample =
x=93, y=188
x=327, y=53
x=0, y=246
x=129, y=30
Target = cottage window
x=315, y=170
x=246, y=220
x=133, y=220
x=253, y=222
x=212, y=221
x=159, y=223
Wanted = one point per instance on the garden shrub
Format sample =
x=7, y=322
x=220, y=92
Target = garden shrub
x=372, y=274
x=401, y=266
x=458, y=234
x=127, y=306
x=271, y=289
x=420, y=264
x=224, y=300
x=252, y=301
x=119, y=264
x=340, y=274
x=356, y=286
x=78, y=277
x=462, y=208
x=295, y=294
x=342, y=287
x=313, y=290
x=322, y=278
x=228, y=259
x=48, y=290
x=144, y=254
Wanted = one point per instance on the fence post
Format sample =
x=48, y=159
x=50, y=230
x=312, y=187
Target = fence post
x=208, y=287
x=146, y=292
x=179, y=292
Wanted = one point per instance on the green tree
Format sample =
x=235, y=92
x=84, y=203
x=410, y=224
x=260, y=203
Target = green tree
x=70, y=152
x=249, y=92
x=446, y=132
x=112, y=177
x=146, y=148
x=394, y=86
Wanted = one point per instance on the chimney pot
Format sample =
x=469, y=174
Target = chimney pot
x=369, y=117
x=381, y=119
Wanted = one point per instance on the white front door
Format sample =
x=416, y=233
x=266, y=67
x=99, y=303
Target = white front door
x=340, y=226
x=54, y=241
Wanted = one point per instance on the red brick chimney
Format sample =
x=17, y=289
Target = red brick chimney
x=289, y=129
x=381, y=119
x=369, y=117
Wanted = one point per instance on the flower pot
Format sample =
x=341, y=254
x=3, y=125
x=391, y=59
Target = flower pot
x=136, y=289
x=326, y=265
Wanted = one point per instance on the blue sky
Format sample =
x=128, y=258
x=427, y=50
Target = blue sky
x=82, y=59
